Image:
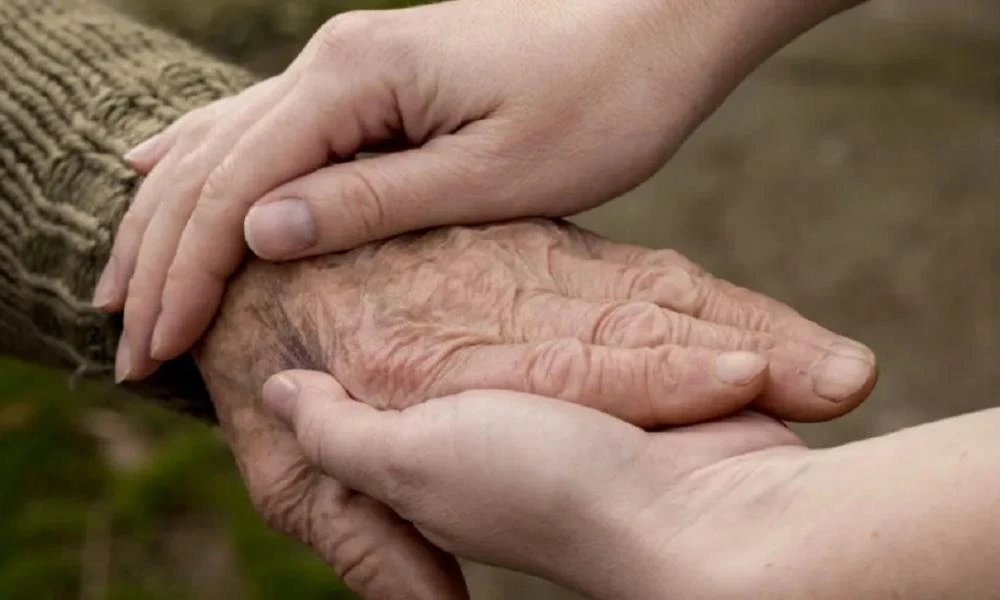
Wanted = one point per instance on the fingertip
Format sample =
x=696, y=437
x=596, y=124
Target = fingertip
x=281, y=230
x=107, y=293
x=173, y=335
x=844, y=373
x=144, y=156
x=123, y=361
x=281, y=392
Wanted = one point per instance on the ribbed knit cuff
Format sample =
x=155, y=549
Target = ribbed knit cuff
x=79, y=85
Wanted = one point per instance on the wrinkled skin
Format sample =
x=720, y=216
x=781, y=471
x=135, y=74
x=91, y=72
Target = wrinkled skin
x=530, y=306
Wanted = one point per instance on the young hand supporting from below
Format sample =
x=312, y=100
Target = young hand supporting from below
x=510, y=109
x=732, y=509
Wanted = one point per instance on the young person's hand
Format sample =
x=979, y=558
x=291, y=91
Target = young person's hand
x=554, y=489
x=507, y=109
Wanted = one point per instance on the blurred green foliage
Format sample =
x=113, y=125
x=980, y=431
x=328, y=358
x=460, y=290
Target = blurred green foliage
x=174, y=520
x=77, y=525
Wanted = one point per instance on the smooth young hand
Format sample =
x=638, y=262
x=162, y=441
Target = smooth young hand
x=554, y=489
x=508, y=108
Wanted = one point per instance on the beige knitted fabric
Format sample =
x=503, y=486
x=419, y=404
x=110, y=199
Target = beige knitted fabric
x=79, y=85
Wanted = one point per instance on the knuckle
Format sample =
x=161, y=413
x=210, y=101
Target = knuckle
x=669, y=287
x=218, y=180
x=350, y=30
x=311, y=435
x=132, y=222
x=358, y=566
x=673, y=258
x=725, y=308
x=635, y=324
x=362, y=204
x=559, y=368
x=284, y=503
x=176, y=277
x=399, y=478
x=192, y=162
x=663, y=375
x=199, y=123
x=143, y=293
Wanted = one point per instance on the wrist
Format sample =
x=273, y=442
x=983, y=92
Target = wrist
x=736, y=37
x=707, y=535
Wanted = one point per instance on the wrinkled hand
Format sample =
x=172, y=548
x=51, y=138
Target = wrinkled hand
x=400, y=322
x=552, y=310
x=511, y=109
x=553, y=489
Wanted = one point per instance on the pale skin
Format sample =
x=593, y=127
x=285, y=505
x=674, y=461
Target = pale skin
x=503, y=108
x=176, y=250
x=738, y=508
x=392, y=321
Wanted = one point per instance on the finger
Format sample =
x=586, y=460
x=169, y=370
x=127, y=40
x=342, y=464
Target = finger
x=815, y=374
x=112, y=286
x=212, y=245
x=672, y=286
x=145, y=155
x=142, y=305
x=720, y=300
x=375, y=553
x=186, y=178
x=169, y=151
x=547, y=315
x=799, y=385
x=648, y=387
x=348, y=440
x=346, y=205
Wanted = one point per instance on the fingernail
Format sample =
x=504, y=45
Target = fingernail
x=843, y=372
x=141, y=152
x=104, y=293
x=280, y=394
x=123, y=362
x=280, y=229
x=739, y=368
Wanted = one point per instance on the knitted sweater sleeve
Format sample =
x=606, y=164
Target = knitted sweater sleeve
x=79, y=85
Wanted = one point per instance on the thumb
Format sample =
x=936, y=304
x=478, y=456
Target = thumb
x=348, y=440
x=349, y=204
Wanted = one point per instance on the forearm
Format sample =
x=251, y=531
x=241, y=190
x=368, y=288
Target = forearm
x=915, y=514
x=755, y=30
x=81, y=84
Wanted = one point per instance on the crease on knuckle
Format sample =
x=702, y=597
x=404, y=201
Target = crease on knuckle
x=400, y=477
x=558, y=369
x=638, y=324
x=219, y=180
x=343, y=540
x=363, y=205
x=359, y=565
x=669, y=257
x=284, y=502
x=672, y=288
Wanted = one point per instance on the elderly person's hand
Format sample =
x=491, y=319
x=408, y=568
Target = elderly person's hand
x=530, y=306
x=511, y=109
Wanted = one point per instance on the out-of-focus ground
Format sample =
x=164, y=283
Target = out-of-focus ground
x=856, y=176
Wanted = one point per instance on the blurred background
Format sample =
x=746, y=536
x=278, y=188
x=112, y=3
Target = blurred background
x=855, y=176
